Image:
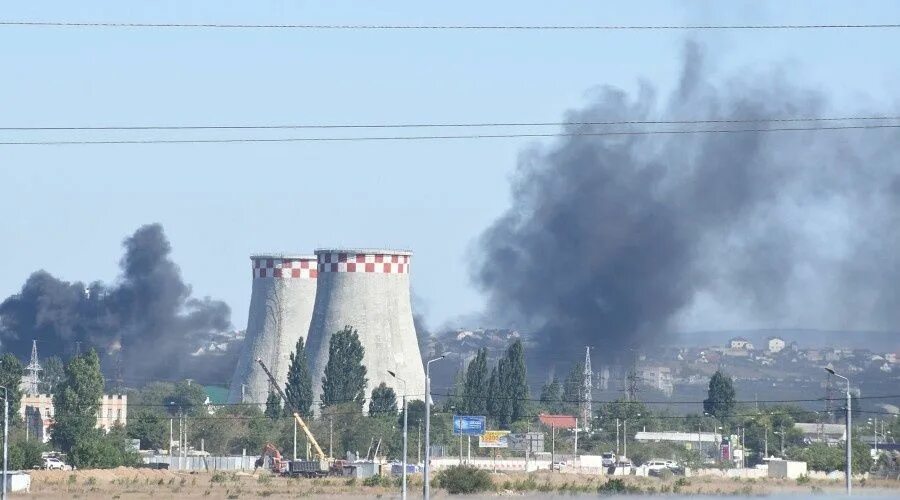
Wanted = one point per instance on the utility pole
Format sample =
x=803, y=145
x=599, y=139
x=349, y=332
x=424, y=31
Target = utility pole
x=405, y=427
x=587, y=387
x=848, y=467
x=617, y=439
x=33, y=369
x=5, y=439
x=427, y=486
x=295, y=439
x=330, y=436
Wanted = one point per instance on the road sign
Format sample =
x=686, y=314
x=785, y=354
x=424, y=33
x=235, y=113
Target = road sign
x=494, y=439
x=530, y=441
x=468, y=425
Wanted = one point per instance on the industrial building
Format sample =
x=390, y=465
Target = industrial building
x=281, y=305
x=369, y=291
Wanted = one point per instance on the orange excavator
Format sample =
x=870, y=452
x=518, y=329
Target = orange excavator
x=279, y=465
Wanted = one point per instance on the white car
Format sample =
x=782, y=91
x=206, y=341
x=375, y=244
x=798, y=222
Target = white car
x=657, y=465
x=53, y=463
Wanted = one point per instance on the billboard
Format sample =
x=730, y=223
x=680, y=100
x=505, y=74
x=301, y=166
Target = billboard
x=533, y=442
x=494, y=439
x=468, y=425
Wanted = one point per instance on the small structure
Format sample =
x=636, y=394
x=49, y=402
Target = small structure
x=786, y=469
x=831, y=434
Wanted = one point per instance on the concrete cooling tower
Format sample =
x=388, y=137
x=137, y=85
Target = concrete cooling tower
x=368, y=290
x=281, y=305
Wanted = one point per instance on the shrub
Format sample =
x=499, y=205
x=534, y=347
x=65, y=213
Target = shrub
x=464, y=479
x=218, y=477
x=804, y=479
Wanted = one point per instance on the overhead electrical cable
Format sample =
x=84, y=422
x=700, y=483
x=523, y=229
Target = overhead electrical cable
x=442, y=125
x=441, y=137
x=452, y=27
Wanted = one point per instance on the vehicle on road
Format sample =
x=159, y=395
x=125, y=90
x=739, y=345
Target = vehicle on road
x=609, y=459
x=53, y=463
x=656, y=465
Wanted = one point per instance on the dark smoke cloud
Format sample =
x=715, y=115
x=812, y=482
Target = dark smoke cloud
x=613, y=241
x=149, y=314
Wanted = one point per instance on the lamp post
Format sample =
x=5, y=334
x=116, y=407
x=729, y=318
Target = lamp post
x=428, y=423
x=5, y=436
x=848, y=468
x=403, y=491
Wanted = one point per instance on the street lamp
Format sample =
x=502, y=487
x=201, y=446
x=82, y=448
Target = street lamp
x=5, y=437
x=848, y=468
x=428, y=423
x=403, y=491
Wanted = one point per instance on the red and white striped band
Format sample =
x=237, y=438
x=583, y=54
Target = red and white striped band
x=285, y=267
x=349, y=262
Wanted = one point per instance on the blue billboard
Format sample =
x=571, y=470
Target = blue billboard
x=467, y=425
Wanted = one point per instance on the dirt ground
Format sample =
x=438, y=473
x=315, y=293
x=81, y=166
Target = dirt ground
x=129, y=483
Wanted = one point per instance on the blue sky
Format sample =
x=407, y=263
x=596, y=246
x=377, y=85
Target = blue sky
x=67, y=208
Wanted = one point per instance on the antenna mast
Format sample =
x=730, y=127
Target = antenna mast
x=32, y=385
x=586, y=410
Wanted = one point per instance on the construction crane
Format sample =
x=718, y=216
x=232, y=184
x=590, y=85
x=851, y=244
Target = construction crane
x=300, y=422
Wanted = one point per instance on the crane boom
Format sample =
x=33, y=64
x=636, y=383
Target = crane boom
x=309, y=434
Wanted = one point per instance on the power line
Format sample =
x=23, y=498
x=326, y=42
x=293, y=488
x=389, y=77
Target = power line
x=451, y=27
x=439, y=137
x=445, y=125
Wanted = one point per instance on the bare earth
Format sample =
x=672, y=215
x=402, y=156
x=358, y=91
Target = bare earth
x=128, y=483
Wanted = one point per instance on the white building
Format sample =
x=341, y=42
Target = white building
x=775, y=344
x=659, y=378
x=37, y=411
x=740, y=344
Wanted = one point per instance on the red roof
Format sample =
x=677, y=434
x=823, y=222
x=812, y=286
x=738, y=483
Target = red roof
x=558, y=421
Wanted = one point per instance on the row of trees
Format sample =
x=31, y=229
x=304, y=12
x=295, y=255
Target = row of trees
x=501, y=394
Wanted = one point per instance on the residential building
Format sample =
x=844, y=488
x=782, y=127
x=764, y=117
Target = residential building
x=658, y=377
x=740, y=343
x=814, y=432
x=775, y=344
x=37, y=411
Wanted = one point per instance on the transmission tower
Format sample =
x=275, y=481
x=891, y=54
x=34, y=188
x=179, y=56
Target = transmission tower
x=829, y=399
x=32, y=384
x=586, y=410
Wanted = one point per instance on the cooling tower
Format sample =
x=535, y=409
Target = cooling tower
x=281, y=305
x=368, y=290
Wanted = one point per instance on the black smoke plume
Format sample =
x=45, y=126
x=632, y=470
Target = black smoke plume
x=147, y=324
x=614, y=241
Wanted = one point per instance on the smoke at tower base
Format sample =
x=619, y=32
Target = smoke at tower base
x=149, y=313
x=614, y=241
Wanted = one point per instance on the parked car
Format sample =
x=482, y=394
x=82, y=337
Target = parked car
x=558, y=465
x=657, y=465
x=53, y=463
x=609, y=459
x=671, y=464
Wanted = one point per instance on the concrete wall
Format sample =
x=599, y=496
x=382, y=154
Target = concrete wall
x=281, y=304
x=368, y=290
x=209, y=463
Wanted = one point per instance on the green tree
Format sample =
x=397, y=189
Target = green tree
x=383, y=402
x=345, y=376
x=25, y=455
x=513, y=385
x=11, y=371
x=97, y=449
x=76, y=400
x=298, y=389
x=573, y=395
x=273, y=406
x=551, y=396
x=494, y=398
x=416, y=409
x=53, y=373
x=720, y=401
x=476, y=385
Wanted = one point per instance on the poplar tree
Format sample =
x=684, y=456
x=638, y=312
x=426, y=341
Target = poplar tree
x=493, y=394
x=273, y=406
x=345, y=376
x=476, y=387
x=551, y=395
x=299, y=382
x=720, y=397
x=76, y=401
x=573, y=395
x=383, y=402
x=513, y=384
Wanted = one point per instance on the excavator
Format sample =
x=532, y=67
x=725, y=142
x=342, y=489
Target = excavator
x=321, y=465
x=279, y=465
